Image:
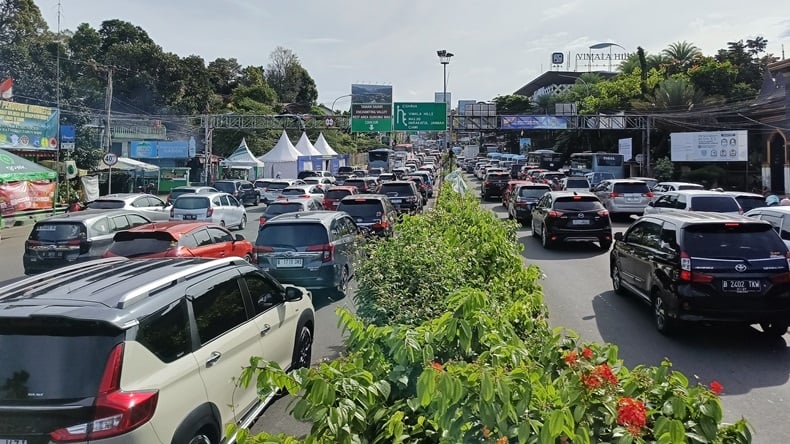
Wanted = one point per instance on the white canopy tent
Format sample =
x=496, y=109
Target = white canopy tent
x=306, y=148
x=322, y=146
x=136, y=170
x=243, y=158
x=283, y=159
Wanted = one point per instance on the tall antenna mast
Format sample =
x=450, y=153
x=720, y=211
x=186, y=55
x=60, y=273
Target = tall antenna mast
x=57, y=106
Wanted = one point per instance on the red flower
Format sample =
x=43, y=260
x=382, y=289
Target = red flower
x=632, y=415
x=571, y=357
x=600, y=374
x=591, y=381
x=437, y=366
x=716, y=388
x=587, y=353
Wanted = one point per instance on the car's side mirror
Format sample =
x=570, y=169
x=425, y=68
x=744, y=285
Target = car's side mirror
x=293, y=294
x=240, y=237
x=618, y=236
x=651, y=204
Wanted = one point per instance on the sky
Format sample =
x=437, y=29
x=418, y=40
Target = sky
x=498, y=45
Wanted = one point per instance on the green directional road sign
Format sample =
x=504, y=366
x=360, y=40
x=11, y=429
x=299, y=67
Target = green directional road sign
x=420, y=116
x=371, y=117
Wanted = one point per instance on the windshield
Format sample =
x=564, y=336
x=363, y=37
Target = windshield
x=55, y=231
x=226, y=187
x=336, y=194
x=750, y=202
x=365, y=209
x=399, y=189
x=293, y=192
x=585, y=203
x=577, y=183
x=277, y=208
x=131, y=244
x=262, y=183
x=716, y=204
x=631, y=187
x=191, y=203
x=105, y=204
x=378, y=156
x=294, y=235
x=532, y=192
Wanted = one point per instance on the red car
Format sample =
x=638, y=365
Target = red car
x=511, y=184
x=335, y=193
x=179, y=239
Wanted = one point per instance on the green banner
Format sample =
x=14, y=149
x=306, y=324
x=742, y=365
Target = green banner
x=29, y=127
x=371, y=125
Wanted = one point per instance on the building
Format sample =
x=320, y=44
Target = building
x=771, y=114
x=554, y=83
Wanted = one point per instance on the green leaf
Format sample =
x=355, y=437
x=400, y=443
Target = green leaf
x=677, y=432
x=426, y=386
x=709, y=427
x=582, y=435
x=413, y=403
x=556, y=423
x=679, y=408
x=625, y=439
x=486, y=387
x=712, y=409
x=523, y=432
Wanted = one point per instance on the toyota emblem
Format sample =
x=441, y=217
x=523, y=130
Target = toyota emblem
x=581, y=216
x=740, y=268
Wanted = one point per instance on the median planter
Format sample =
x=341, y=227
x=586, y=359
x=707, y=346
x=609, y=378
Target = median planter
x=451, y=344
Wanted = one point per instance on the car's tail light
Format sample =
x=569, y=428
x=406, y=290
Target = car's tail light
x=327, y=250
x=32, y=243
x=781, y=278
x=649, y=194
x=115, y=411
x=209, y=211
x=687, y=275
x=381, y=225
x=261, y=249
x=603, y=213
x=262, y=220
x=555, y=213
x=613, y=195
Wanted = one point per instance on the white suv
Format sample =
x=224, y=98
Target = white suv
x=219, y=208
x=143, y=351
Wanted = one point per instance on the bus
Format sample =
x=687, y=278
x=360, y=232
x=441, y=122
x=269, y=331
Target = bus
x=545, y=159
x=600, y=162
x=381, y=158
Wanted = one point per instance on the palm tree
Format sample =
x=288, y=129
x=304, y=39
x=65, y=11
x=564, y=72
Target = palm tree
x=672, y=94
x=682, y=54
x=657, y=61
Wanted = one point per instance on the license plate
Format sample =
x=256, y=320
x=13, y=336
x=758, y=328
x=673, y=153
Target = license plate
x=47, y=254
x=190, y=216
x=631, y=199
x=286, y=263
x=581, y=222
x=741, y=285
x=396, y=201
x=13, y=441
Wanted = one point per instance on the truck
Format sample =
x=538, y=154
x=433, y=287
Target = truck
x=470, y=151
x=490, y=148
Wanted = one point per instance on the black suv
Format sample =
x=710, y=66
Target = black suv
x=363, y=184
x=494, y=184
x=698, y=266
x=404, y=195
x=372, y=211
x=523, y=199
x=75, y=237
x=143, y=351
x=244, y=191
x=570, y=216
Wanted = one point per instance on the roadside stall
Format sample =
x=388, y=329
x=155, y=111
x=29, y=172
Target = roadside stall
x=128, y=176
x=25, y=187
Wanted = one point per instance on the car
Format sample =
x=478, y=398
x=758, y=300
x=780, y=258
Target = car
x=574, y=183
x=530, y=173
x=623, y=196
x=374, y=212
x=270, y=189
x=375, y=172
x=704, y=267
x=404, y=195
x=494, y=184
x=597, y=177
x=335, y=193
x=523, y=199
x=552, y=178
x=323, y=182
x=145, y=351
x=363, y=184
x=243, y=190
x=747, y=201
x=427, y=179
x=694, y=200
x=148, y=205
x=511, y=184
x=777, y=216
x=344, y=170
x=179, y=239
x=314, y=249
x=421, y=186
x=219, y=208
x=387, y=177
x=650, y=181
x=305, y=190
x=74, y=237
x=662, y=187
x=570, y=216
x=177, y=191
x=289, y=205
x=515, y=171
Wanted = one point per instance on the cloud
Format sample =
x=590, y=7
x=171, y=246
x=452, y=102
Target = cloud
x=559, y=11
x=322, y=41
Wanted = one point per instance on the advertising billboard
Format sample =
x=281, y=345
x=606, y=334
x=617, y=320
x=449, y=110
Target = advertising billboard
x=28, y=127
x=534, y=122
x=371, y=108
x=710, y=146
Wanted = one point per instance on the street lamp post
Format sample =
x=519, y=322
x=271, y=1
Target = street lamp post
x=444, y=59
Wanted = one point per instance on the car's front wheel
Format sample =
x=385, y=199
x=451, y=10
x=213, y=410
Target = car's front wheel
x=243, y=222
x=342, y=284
x=544, y=238
x=617, y=280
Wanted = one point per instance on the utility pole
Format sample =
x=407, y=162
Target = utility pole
x=209, y=132
x=56, y=195
x=107, y=134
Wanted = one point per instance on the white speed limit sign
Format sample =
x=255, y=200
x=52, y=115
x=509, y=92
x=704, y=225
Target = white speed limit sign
x=110, y=159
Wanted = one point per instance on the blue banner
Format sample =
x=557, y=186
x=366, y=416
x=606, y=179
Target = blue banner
x=28, y=126
x=533, y=122
x=171, y=149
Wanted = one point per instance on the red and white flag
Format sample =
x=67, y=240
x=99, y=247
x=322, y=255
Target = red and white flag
x=7, y=88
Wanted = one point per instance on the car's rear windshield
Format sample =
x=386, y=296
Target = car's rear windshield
x=532, y=191
x=174, y=193
x=56, y=231
x=580, y=203
x=736, y=241
x=262, y=183
x=716, y=204
x=750, y=202
x=336, y=194
x=282, y=208
x=499, y=176
x=293, y=192
x=133, y=243
x=225, y=187
x=191, y=203
x=53, y=358
x=577, y=183
x=365, y=208
x=691, y=187
x=294, y=235
x=402, y=189
x=278, y=185
x=105, y=204
x=631, y=187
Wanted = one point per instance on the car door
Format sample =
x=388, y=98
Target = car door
x=221, y=242
x=100, y=234
x=645, y=248
x=632, y=238
x=602, y=191
x=274, y=319
x=204, y=244
x=225, y=337
x=136, y=220
x=540, y=211
x=230, y=207
x=343, y=232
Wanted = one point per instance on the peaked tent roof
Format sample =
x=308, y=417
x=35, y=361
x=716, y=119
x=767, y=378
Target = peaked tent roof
x=127, y=164
x=306, y=148
x=283, y=151
x=242, y=157
x=322, y=146
x=18, y=169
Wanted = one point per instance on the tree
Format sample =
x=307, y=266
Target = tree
x=513, y=104
x=20, y=22
x=672, y=94
x=713, y=77
x=224, y=75
x=289, y=79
